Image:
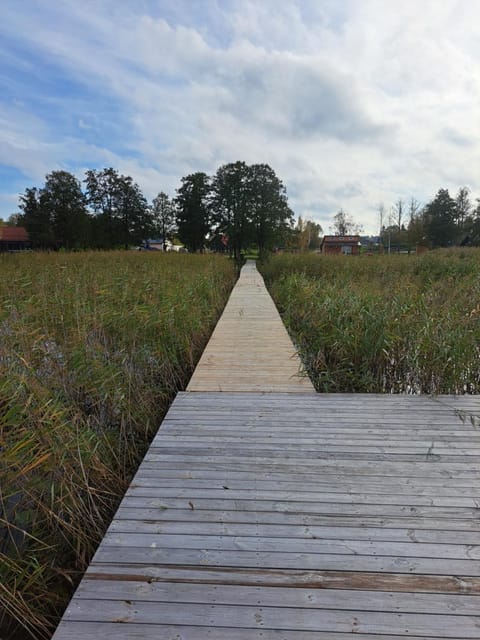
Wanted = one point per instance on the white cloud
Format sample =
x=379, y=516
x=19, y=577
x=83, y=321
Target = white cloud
x=351, y=103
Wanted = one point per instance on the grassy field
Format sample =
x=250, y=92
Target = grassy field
x=385, y=324
x=93, y=347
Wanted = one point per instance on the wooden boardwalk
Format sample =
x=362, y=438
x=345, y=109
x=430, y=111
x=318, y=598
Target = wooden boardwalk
x=250, y=349
x=294, y=516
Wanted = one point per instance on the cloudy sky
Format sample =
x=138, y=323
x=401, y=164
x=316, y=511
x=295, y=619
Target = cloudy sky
x=352, y=102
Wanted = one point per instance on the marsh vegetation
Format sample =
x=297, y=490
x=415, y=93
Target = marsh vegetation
x=384, y=324
x=93, y=347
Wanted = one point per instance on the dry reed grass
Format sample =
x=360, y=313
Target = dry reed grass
x=383, y=324
x=93, y=347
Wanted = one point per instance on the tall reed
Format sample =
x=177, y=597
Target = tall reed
x=384, y=324
x=93, y=347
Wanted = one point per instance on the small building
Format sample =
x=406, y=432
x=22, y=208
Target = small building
x=345, y=245
x=14, y=239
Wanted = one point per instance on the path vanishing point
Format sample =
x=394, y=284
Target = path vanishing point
x=266, y=511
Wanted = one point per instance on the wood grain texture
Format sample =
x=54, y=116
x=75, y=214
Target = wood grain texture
x=274, y=516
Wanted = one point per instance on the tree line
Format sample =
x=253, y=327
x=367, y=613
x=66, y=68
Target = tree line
x=239, y=206
x=443, y=222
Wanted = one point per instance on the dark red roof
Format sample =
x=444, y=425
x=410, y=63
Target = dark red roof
x=341, y=239
x=13, y=234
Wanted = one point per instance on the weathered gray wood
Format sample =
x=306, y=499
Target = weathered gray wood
x=291, y=516
x=251, y=518
x=313, y=579
x=388, y=601
x=286, y=560
x=133, y=631
x=274, y=440
x=359, y=466
x=369, y=506
x=293, y=531
x=309, y=478
x=305, y=485
x=268, y=617
x=327, y=546
x=316, y=497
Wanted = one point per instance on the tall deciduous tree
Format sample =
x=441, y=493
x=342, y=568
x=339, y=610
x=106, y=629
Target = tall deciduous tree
x=231, y=197
x=122, y=216
x=398, y=213
x=474, y=226
x=344, y=224
x=64, y=205
x=193, y=212
x=439, y=220
x=268, y=209
x=163, y=214
x=463, y=208
x=132, y=212
x=416, y=227
x=36, y=219
x=102, y=194
x=308, y=234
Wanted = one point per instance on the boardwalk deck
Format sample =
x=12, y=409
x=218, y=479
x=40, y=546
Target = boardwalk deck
x=250, y=349
x=294, y=516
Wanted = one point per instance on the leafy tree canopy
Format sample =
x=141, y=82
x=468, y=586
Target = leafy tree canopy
x=163, y=217
x=193, y=212
x=344, y=224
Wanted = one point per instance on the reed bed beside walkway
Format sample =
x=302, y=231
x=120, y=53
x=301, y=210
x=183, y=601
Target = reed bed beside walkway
x=93, y=347
x=383, y=324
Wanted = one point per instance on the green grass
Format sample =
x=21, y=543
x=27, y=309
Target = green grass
x=384, y=324
x=93, y=347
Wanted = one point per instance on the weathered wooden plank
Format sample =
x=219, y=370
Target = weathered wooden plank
x=112, y=631
x=340, y=404
x=353, y=507
x=265, y=617
x=158, y=480
x=259, y=493
x=308, y=477
x=285, y=560
x=407, y=520
x=334, y=442
x=320, y=579
x=172, y=453
x=293, y=433
x=418, y=469
x=243, y=447
x=387, y=601
x=329, y=546
x=293, y=531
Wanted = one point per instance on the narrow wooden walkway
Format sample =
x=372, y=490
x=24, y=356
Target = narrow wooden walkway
x=250, y=349
x=294, y=516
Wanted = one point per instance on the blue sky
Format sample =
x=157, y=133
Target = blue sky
x=352, y=102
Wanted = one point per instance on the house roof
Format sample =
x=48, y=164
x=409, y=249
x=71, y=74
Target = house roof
x=341, y=239
x=13, y=234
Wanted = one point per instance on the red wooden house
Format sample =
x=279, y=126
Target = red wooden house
x=346, y=245
x=14, y=239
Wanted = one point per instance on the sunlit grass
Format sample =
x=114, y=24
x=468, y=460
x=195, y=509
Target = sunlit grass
x=93, y=347
x=384, y=324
